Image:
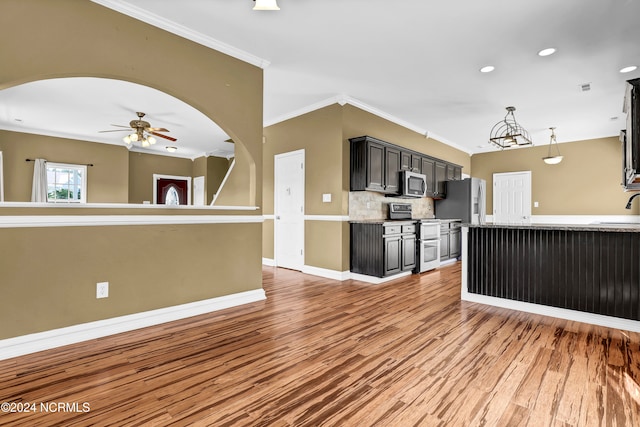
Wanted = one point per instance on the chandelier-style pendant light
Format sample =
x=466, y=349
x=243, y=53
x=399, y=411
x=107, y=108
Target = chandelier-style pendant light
x=508, y=133
x=550, y=159
x=266, y=5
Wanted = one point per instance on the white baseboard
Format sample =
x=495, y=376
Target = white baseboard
x=18, y=346
x=561, y=313
x=269, y=261
x=378, y=280
x=324, y=272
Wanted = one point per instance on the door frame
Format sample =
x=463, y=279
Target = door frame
x=276, y=207
x=493, y=196
x=156, y=177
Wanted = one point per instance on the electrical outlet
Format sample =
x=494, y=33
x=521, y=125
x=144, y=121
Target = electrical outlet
x=102, y=290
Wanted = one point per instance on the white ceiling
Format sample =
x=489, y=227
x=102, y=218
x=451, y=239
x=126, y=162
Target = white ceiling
x=413, y=61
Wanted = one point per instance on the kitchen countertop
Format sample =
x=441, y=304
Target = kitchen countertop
x=383, y=221
x=613, y=226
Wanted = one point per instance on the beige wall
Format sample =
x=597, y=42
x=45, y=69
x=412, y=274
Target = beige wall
x=586, y=182
x=319, y=133
x=216, y=170
x=148, y=266
x=107, y=179
x=324, y=135
x=82, y=38
x=142, y=166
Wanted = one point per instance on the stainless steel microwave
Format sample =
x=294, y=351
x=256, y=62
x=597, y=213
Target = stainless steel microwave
x=413, y=184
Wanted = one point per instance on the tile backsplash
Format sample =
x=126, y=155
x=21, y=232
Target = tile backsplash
x=370, y=205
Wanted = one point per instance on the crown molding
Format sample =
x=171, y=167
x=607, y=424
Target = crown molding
x=182, y=31
x=343, y=99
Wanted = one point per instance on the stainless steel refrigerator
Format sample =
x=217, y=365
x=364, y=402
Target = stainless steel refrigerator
x=466, y=200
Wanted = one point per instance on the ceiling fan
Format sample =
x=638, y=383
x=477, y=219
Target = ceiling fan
x=142, y=132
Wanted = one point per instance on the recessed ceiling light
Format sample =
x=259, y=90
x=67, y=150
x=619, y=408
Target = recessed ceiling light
x=628, y=69
x=487, y=69
x=546, y=52
x=171, y=149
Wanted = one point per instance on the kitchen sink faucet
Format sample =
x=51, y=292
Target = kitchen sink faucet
x=631, y=200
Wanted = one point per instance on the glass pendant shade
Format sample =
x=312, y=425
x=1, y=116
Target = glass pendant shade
x=553, y=159
x=266, y=5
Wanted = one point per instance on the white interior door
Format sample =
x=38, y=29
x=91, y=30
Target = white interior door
x=512, y=198
x=198, y=191
x=289, y=210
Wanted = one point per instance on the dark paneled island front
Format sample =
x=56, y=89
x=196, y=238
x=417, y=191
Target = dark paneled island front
x=588, y=273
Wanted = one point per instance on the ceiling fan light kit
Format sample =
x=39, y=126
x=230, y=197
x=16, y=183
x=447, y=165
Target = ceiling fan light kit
x=551, y=159
x=265, y=5
x=508, y=133
x=142, y=132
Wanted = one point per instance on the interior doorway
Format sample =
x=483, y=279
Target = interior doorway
x=512, y=197
x=289, y=193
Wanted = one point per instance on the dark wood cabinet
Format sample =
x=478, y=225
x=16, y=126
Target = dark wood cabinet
x=631, y=137
x=416, y=163
x=392, y=170
x=454, y=173
x=392, y=255
x=405, y=161
x=375, y=154
x=382, y=249
x=440, y=177
x=455, y=243
x=450, y=240
x=375, y=166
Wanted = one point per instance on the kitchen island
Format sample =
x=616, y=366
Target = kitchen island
x=586, y=272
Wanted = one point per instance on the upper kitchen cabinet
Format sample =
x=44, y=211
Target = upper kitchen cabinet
x=631, y=137
x=374, y=165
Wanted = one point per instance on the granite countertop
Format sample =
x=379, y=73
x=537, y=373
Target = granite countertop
x=384, y=221
x=603, y=226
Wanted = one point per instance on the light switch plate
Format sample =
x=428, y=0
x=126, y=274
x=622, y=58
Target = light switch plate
x=326, y=198
x=535, y=204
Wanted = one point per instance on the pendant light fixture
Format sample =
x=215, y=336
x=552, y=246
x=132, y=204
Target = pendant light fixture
x=550, y=159
x=266, y=5
x=508, y=133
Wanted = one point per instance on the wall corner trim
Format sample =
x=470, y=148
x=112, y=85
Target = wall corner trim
x=26, y=344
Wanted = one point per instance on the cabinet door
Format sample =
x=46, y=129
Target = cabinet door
x=405, y=161
x=416, y=163
x=440, y=172
x=375, y=166
x=392, y=170
x=450, y=172
x=455, y=247
x=457, y=173
x=428, y=169
x=444, y=246
x=392, y=255
x=408, y=252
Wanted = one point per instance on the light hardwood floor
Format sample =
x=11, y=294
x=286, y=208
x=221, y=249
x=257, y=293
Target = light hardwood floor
x=322, y=352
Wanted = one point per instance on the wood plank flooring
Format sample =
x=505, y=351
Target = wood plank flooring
x=322, y=352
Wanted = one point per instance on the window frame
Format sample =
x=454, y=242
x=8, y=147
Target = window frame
x=83, y=185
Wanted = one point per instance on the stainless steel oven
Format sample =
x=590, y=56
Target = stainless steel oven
x=428, y=246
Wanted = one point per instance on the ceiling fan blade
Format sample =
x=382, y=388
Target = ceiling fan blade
x=157, y=130
x=115, y=130
x=121, y=126
x=163, y=136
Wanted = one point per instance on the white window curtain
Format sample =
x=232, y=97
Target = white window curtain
x=39, y=187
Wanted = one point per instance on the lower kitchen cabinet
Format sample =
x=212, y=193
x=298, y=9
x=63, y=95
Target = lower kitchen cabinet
x=450, y=240
x=382, y=249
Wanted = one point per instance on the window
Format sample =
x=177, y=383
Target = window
x=66, y=183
